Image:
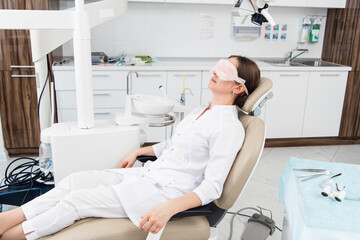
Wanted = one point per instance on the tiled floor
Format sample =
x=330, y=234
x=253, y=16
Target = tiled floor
x=262, y=189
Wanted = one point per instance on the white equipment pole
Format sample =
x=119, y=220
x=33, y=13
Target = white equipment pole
x=82, y=62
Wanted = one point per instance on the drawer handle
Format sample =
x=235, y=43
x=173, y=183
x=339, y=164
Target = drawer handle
x=186, y=75
x=102, y=113
x=22, y=76
x=19, y=66
x=100, y=75
x=289, y=75
x=101, y=94
x=149, y=75
x=329, y=75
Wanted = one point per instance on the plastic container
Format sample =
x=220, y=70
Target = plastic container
x=45, y=161
x=304, y=31
x=315, y=31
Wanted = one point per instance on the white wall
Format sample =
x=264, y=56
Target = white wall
x=173, y=30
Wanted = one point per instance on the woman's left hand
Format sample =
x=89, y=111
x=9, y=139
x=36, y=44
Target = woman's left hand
x=156, y=218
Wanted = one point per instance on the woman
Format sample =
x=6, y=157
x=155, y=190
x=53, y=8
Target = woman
x=190, y=170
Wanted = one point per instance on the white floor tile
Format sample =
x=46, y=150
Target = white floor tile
x=348, y=154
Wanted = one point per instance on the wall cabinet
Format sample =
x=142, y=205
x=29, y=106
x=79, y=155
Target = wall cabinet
x=288, y=3
x=327, y=3
x=324, y=104
x=285, y=111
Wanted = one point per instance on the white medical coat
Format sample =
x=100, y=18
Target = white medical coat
x=197, y=158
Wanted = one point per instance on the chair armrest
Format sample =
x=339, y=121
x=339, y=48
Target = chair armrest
x=205, y=210
x=144, y=158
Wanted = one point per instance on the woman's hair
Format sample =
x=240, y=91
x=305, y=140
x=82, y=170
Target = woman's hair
x=249, y=71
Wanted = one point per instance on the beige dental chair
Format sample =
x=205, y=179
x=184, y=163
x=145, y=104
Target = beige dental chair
x=194, y=224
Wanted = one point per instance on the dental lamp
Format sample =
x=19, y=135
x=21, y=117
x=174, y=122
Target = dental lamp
x=257, y=9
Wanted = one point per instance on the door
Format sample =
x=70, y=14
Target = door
x=285, y=111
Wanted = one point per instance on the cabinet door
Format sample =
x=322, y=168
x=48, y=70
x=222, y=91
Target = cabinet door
x=285, y=111
x=192, y=85
x=148, y=83
x=18, y=106
x=324, y=104
x=327, y=3
x=288, y=3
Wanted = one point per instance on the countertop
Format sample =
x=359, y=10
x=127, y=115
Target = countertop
x=198, y=64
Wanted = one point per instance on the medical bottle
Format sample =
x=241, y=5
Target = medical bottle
x=315, y=31
x=305, y=29
x=45, y=161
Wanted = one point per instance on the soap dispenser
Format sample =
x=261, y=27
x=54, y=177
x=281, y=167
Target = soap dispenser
x=315, y=31
x=305, y=29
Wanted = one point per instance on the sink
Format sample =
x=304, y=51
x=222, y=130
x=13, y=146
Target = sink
x=281, y=63
x=319, y=63
x=151, y=105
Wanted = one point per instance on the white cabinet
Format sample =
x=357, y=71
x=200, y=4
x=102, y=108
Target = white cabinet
x=192, y=86
x=148, y=82
x=309, y=3
x=324, y=104
x=109, y=90
x=327, y=3
x=288, y=3
x=285, y=111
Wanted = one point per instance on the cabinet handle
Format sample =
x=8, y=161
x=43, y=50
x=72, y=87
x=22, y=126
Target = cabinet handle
x=101, y=94
x=22, y=76
x=100, y=75
x=289, y=75
x=186, y=75
x=329, y=75
x=149, y=75
x=102, y=113
x=19, y=66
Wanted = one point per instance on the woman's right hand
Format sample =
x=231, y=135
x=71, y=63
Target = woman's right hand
x=129, y=160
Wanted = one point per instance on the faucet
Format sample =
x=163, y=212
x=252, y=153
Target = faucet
x=289, y=57
x=129, y=82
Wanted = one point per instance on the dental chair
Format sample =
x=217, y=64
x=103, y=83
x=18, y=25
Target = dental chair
x=192, y=224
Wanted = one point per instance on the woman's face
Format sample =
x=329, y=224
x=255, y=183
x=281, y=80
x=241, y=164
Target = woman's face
x=223, y=87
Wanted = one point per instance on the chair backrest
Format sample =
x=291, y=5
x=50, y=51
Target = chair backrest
x=258, y=95
x=250, y=152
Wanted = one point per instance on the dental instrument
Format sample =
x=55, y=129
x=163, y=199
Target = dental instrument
x=315, y=173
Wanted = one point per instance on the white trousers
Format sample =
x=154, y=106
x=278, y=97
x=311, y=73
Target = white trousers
x=80, y=195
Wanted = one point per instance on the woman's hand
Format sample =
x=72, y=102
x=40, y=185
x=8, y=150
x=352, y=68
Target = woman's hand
x=129, y=160
x=156, y=218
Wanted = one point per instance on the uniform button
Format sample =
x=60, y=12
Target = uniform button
x=162, y=160
x=178, y=134
x=172, y=149
x=142, y=176
x=148, y=170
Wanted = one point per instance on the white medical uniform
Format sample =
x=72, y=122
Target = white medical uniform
x=197, y=159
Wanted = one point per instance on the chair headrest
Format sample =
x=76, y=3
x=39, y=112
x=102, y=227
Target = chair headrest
x=257, y=95
x=245, y=161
